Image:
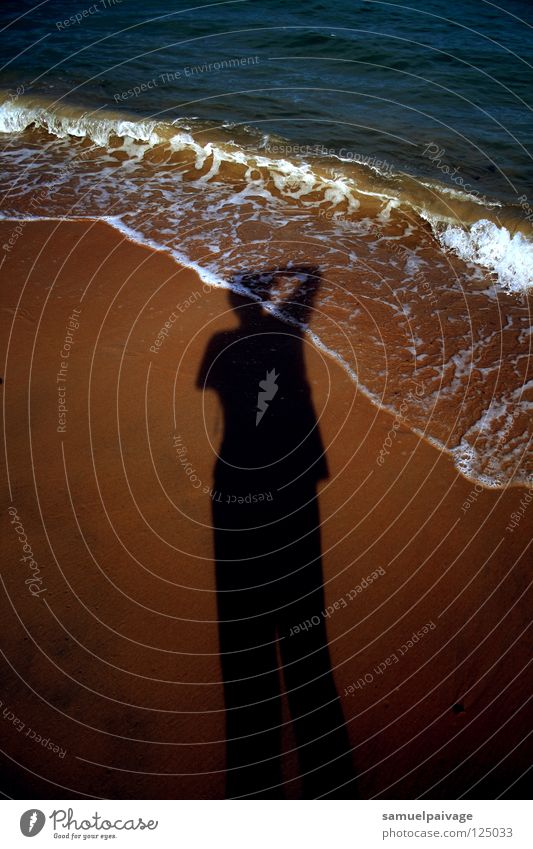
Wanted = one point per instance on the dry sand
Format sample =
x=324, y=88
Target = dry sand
x=114, y=659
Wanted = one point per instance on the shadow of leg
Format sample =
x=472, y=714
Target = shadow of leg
x=252, y=697
x=322, y=739
x=323, y=744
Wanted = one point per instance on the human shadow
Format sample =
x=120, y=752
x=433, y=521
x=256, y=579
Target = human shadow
x=267, y=547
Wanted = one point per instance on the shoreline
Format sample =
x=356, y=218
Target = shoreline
x=210, y=280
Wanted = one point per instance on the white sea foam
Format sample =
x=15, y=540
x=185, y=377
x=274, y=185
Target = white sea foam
x=510, y=258
x=483, y=244
x=17, y=117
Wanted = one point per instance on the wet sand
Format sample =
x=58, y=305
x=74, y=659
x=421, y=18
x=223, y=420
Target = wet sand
x=110, y=649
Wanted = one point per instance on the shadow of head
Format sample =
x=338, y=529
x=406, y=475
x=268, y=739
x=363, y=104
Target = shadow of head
x=291, y=289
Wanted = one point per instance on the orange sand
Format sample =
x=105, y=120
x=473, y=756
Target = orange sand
x=115, y=660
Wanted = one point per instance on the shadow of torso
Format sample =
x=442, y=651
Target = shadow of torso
x=271, y=456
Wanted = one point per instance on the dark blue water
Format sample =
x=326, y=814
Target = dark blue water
x=379, y=78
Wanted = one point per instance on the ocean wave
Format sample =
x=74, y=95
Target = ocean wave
x=508, y=257
x=321, y=182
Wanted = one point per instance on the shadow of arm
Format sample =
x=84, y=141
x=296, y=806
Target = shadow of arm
x=301, y=302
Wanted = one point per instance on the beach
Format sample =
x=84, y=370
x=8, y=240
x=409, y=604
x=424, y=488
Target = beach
x=111, y=650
